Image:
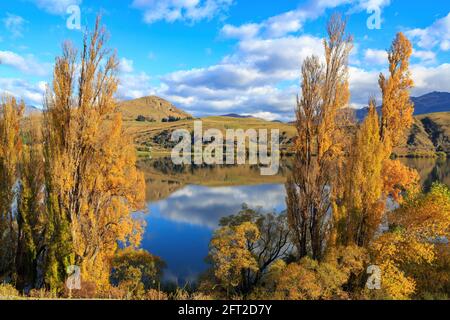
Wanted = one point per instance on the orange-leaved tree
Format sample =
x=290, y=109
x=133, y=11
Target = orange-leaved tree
x=92, y=181
x=10, y=153
x=361, y=208
x=371, y=176
x=418, y=231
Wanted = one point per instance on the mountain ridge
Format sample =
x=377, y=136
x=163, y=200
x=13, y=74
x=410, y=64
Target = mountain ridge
x=236, y=115
x=432, y=102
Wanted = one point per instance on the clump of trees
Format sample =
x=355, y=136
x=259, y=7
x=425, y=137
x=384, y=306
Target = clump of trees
x=171, y=119
x=349, y=205
x=69, y=181
x=141, y=118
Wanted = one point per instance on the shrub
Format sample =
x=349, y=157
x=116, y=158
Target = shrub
x=41, y=294
x=135, y=271
x=88, y=291
x=8, y=292
x=153, y=294
x=141, y=118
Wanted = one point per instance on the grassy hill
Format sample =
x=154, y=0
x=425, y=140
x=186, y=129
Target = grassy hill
x=150, y=108
x=143, y=119
x=430, y=133
x=157, y=134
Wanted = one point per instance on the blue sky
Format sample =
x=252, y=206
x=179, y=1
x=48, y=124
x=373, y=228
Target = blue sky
x=221, y=56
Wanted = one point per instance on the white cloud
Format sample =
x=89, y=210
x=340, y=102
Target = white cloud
x=126, y=65
x=32, y=94
x=425, y=56
x=244, y=31
x=293, y=21
x=363, y=85
x=181, y=10
x=427, y=79
x=436, y=35
x=445, y=45
x=288, y=22
x=270, y=116
x=261, y=78
x=248, y=81
x=371, y=4
x=132, y=86
x=256, y=63
x=376, y=57
x=26, y=64
x=14, y=24
x=55, y=6
x=198, y=205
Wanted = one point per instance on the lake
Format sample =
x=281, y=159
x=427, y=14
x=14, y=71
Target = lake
x=186, y=203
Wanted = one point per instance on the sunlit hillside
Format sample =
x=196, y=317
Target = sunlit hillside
x=150, y=109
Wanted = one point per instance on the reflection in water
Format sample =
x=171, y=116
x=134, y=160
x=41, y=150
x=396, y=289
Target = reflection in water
x=181, y=226
x=204, y=206
x=431, y=170
x=185, y=209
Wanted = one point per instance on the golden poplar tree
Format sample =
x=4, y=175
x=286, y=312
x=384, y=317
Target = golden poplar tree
x=397, y=109
x=31, y=215
x=91, y=177
x=371, y=177
x=362, y=206
x=397, y=116
x=318, y=144
x=10, y=153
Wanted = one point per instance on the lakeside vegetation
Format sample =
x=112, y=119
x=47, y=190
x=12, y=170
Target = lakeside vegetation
x=70, y=183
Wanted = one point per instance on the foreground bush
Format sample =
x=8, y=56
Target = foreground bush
x=8, y=292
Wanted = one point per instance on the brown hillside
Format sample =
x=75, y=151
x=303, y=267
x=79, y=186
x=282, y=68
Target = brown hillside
x=430, y=133
x=150, y=108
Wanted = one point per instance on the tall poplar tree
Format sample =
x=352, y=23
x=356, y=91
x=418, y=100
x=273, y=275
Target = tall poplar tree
x=318, y=144
x=10, y=150
x=92, y=182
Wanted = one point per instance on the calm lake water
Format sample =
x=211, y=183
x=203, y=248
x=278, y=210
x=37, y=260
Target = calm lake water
x=186, y=204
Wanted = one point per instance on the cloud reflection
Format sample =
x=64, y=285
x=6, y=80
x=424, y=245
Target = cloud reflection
x=204, y=206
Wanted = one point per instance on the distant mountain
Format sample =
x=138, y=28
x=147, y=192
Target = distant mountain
x=432, y=102
x=235, y=115
x=150, y=108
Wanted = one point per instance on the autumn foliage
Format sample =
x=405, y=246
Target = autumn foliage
x=72, y=176
x=359, y=194
x=318, y=144
x=350, y=205
x=69, y=185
